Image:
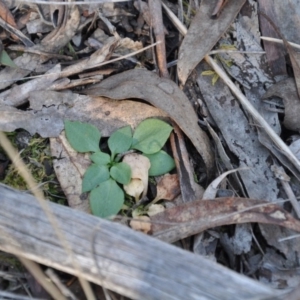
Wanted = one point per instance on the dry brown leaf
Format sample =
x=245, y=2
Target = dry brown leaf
x=7, y=16
x=165, y=95
x=274, y=52
x=167, y=188
x=140, y=166
x=143, y=8
x=57, y=14
x=127, y=45
x=190, y=190
x=194, y=217
x=203, y=34
x=49, y=109
x=285, y=21
x=141, y=223
x=134, y=188
x=287, y=90
x=70, y=167
x=212, y=189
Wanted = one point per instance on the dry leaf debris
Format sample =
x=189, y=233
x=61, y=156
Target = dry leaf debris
x=90, y=35
x=139, y=165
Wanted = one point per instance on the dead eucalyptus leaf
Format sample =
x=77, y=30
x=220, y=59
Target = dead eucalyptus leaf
x=287, y=90
x=134, y=188
x=48, y=110
x=70, y=166
x=283, y=18
x=194, y=217
x=274, y=51
x=139, y=165
x=165, y=95
x=64, y=33
x=203, y=34
x=141, y=223
x=143, y=8
x=212, y=189
x=167, y=188
x=7, y=16
x=57, y=14
x=190, y=190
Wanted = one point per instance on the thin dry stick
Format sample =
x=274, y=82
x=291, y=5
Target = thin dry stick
x=291, y=196
x=67, y=73
x=158, y=29
x=23, y=38
x=35, y=51
x=64, y=290
x=254, y=113
x=8, y=295
x=235, y=51
x=279, y=41
x=18, y=162
x=37, y=272
x=241, y=97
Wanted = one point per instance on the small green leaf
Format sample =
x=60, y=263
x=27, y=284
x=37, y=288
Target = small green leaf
x=100, y=158
x=83, y=137
x=227, y=47
x=208, y=73
x=121, y=172
x=6, y=60
x=107, y=199
x=151, y=135
x=215, y=79
x=120, y=141
x=94, y=175
x=161, y=163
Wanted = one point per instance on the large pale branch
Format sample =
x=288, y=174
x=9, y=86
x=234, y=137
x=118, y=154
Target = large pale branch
x=114, y=256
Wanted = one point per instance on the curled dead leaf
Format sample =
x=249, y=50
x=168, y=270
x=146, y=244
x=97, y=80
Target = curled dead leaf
x=134, y=188
x=168, y=188
x=139, y=165
x=191, y=218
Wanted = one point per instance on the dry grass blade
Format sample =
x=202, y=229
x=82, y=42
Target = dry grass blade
x=65, y=291
x=38, y=273
x=279, y=41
